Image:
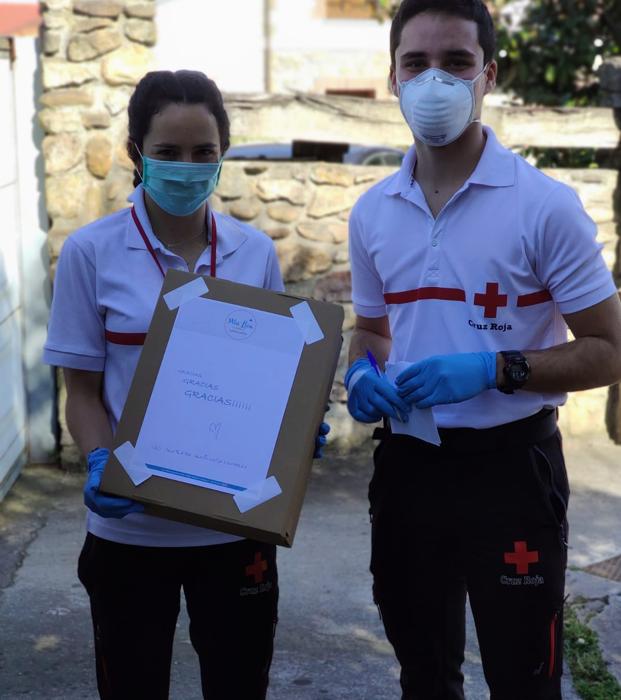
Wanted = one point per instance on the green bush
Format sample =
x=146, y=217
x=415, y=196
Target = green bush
x=549, y=59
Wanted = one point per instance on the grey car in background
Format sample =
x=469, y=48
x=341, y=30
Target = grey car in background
x=352, y=154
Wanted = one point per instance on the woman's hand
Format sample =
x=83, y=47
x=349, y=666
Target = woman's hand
x=106, y=506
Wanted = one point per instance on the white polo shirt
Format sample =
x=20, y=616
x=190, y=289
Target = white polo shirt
x=105, y=291
x=510, y=253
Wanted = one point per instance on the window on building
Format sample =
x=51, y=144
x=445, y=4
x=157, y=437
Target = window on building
x=350, y=9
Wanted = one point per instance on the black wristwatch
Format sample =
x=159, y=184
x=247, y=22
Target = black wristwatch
x=515, y=372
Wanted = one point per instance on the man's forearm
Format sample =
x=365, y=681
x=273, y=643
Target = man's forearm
x=584, y=363
x=363, y=340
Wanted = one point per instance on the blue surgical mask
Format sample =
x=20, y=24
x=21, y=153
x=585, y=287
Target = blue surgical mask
x=179, y=188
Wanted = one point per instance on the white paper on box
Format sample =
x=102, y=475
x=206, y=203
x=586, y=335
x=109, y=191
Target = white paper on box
x=220, y=395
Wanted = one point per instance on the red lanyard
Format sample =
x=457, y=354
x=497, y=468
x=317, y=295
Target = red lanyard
x=147, y=242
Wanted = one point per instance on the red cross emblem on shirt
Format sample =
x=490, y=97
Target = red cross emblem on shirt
x=491, y=300
x=521, y=557
x=257, y=569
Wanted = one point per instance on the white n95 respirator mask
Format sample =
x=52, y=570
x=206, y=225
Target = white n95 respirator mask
x=437, y=106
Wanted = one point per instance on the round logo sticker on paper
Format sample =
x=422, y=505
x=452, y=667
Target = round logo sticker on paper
x=240, y=324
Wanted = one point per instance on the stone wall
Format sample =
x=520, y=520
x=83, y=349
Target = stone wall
x=304, y=208
x=94, y=52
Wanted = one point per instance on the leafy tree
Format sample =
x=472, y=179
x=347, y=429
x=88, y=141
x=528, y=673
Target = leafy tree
x=549, y=59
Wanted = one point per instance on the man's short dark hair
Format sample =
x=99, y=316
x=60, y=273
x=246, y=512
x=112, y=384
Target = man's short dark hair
x=474, y=10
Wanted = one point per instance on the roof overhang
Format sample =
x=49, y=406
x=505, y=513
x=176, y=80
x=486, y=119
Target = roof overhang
x=19, y=18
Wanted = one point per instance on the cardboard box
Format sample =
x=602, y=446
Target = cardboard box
x=275, y=520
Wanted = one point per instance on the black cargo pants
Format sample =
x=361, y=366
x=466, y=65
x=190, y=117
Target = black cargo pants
x=489, y=523
x=231, y=593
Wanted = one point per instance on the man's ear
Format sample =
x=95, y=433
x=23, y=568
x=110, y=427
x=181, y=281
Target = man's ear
x=491, y=74
x=392, y=79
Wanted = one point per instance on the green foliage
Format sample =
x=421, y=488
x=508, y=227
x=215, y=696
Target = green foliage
x=549, y=59
x=564, y=157
x=386, y=8
x=590, y=676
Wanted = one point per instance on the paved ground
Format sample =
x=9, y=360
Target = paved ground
x=330, y=643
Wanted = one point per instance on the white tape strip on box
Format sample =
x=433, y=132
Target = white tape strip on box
x=186, y=292
x=304, y=317
x=257, y=494
x=135, y=468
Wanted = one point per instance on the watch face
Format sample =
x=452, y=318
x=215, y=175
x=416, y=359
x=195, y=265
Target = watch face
x=518, y=373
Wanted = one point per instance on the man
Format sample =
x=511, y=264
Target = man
x=468, y=264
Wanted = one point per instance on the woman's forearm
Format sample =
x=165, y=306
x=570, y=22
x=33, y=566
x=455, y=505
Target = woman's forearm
x=86, y=415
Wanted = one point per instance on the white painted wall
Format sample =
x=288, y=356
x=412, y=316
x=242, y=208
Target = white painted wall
x=225, y=40
x=34, y=260
x=312, y=53
x=222, y=38
x=12, y=396
x=27, y=419
x=297, y=26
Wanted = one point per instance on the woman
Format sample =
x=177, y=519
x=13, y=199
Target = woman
x=109, y=275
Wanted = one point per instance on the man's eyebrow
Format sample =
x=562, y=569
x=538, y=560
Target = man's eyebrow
x=207, y=144
x=453, y=53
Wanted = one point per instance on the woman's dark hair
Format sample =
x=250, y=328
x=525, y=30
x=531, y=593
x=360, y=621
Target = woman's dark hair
x=160, y=88
x=474, y=10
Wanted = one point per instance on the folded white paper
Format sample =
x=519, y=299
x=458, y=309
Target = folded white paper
x=191, y=290
x=257, y=494
x=421, y=423
x=307, y=322
x=135, y=468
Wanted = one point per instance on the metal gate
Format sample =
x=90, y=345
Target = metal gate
x=12, y=385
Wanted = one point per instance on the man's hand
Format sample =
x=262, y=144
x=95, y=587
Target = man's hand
x=443, y=379
x=370, y=396
x=106, y=506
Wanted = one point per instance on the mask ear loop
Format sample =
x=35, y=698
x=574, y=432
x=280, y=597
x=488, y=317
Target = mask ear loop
x=135, y=145
x=476, y=77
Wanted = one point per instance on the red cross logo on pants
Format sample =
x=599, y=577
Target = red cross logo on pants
x=257, y=569
x=521, y=557
x=491, y=300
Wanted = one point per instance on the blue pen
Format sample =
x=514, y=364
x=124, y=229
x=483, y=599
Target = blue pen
x=373, y=362
x=375, y=366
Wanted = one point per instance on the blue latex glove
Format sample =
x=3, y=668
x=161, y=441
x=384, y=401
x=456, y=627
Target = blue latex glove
x=444, y=379
x=370, y=396
x=106, y=506
x=321, y=440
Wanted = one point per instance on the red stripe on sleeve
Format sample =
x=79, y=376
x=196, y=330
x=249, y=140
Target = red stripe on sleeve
x=534, y=298
x=125, y=338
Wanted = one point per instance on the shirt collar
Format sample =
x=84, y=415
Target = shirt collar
x=230, y=238
x=496, y=167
